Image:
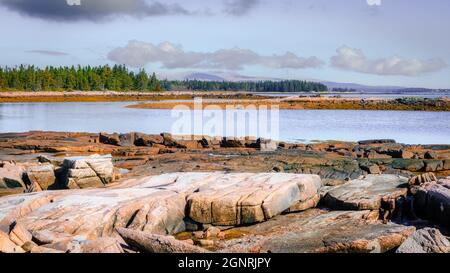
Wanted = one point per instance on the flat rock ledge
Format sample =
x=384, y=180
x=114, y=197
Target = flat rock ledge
x=74, y=220
x=368, y=193
x=318, y=231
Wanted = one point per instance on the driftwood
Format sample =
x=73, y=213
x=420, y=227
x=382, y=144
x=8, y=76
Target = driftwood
x=153, y=243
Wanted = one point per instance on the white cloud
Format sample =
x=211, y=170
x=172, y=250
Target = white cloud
x=138, y=54
x=374, y=2
x=354, y=60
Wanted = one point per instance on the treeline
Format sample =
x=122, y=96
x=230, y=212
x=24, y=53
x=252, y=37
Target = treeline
x=340, y=89
x=84, y=78
x=260, y=86
x=119, y=78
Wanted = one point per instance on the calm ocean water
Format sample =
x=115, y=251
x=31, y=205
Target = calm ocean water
x=295, y=125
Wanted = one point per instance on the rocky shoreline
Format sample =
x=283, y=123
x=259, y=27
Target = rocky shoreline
x=133, y=192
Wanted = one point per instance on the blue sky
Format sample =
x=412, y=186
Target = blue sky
x=387, y=42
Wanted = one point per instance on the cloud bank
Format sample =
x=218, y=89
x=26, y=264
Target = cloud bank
x=93, y=10
x=48, y=52
x=352, y=59
x=138, y=54
x=240, y=7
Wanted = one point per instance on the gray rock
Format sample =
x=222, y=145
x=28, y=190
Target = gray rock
x=11, y=176
x=244, y=198
x=413, y=165
x=446, y=164
x=110, y=139
x=432, y=201
x=366, y=193
x=152, y=243
x=267, y=145
x=43, y=175
x=427, y=240
x=434, y=165
x=318, y=231
x=87, y=172
x=430, y=155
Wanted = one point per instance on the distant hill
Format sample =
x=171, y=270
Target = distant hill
x=203, y=77
x=234, y=77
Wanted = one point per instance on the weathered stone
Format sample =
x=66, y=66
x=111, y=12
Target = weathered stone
x=155, y=204
x=86, y=172
x=430, y=155
x=421, y=179
x=169, y=141
x=366, y=193
x=34, y=187
x=6, y=245
x=46, y=250
x=19, y=235
x=447, y=164
x=102, y=245
x=127, y=139
x=212, y=232
x=11, y=176
x=206, y=243
x=370, y=168
x=405, y=154
x=236, y=199
x=427, y=240
x=43, y=159
x=433, y=165
x=66, y=246
x=231, y=142
x=198, y=234
x=304, y=205
x=432, y=201
x=153, y=243
x=43, y=175
x=267, y=145
x=19, y=249
x=320, y=231
x=412, y=165
x=148, y=140
x=28, y=246
x=111, y=139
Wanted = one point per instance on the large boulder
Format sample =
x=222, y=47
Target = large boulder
x=367, y=193
x=148, y=140
x=413, y=165
x=267, y=145
x=231, y=142
x=434, y=165
x=11, y=178
x=42, y=175
x=427, y=240
x=432, y=201
x=87, y=172
x=110, y=139
x=238, y=199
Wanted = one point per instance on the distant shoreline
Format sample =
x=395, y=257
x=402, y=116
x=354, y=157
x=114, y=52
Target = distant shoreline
x=161, y=100
x=115, y=96
x=314, y=103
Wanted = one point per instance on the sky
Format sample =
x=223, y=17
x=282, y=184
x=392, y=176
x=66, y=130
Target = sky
x=374, y=42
